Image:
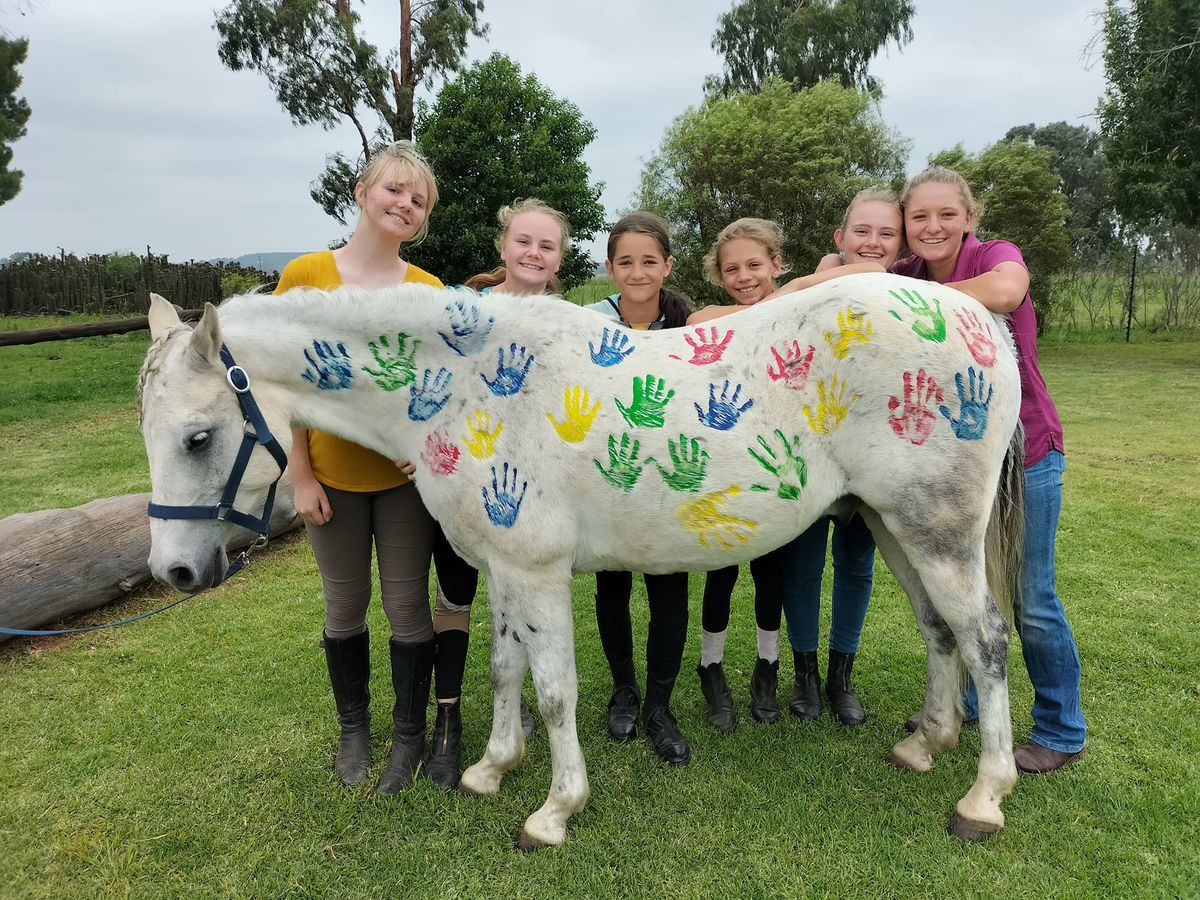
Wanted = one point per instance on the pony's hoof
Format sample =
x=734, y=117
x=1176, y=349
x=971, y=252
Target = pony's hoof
x=527, y=843
x=971, y=830
x=899, y=762
x=467, y=791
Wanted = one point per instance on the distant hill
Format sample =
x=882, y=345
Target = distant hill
x=267, y=262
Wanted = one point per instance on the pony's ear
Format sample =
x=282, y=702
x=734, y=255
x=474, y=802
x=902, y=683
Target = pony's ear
x=206, y=339
x=163, y=316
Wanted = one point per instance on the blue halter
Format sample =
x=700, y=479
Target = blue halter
x=257, y=433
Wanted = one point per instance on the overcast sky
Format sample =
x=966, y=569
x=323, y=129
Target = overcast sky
x=140, y=137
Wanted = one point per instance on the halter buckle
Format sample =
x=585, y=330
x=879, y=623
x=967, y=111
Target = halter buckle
x=238, y=379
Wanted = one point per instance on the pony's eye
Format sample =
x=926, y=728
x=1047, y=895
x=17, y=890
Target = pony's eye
x=197, y=440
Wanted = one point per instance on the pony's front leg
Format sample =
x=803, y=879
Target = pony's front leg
x=506, y=745
x=541, y=623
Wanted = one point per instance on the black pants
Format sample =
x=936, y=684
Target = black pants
x=665, y=639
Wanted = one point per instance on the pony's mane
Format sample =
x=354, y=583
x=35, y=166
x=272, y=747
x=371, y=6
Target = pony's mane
x=300, y=301
x=152, y=363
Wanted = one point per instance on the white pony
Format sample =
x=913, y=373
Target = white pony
x=550, y=441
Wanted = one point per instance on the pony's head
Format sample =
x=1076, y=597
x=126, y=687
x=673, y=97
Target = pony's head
x=193, y=428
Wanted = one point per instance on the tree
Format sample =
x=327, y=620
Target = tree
x=494, y=136
x=323, y=71
x=806, y=41
x=793, y=156
x=1076, y=157
x=1022, y=203
x=14, y=113
x=1148, y=115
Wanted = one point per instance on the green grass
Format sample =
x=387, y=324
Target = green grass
x=189, y=755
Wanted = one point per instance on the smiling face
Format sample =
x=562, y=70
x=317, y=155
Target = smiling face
x=873, y=233
x=638, y=267
x=394, y=209
x=936, y=220
x=747, y=270
x=532, y=251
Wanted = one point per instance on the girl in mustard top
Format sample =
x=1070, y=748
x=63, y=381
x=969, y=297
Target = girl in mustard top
x=352, y=498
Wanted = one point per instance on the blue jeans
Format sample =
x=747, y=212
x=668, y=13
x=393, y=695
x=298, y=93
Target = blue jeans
x=803, y=562
x=1047, y=643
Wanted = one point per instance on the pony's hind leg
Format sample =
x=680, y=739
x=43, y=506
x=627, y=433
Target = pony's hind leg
x=942, y=711
x=506, y=745
x=955, y=582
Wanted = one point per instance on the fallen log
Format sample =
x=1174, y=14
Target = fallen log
x=86, y=329
x=59, y=562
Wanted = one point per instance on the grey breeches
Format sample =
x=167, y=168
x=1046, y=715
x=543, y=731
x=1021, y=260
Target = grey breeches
x=395, y=522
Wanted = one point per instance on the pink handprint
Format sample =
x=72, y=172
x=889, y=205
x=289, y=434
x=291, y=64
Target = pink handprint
x=793, y=367
x=978, y=336
x=706, y=350
x=920, y=400
x=440, y=454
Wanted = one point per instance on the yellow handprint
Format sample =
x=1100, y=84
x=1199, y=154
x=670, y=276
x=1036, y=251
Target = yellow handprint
x=852, y=329
x=832, y=406
x=481, y=443
x=579, y=417
x=704, y=517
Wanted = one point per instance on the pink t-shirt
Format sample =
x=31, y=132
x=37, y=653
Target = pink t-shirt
x=1043, y=428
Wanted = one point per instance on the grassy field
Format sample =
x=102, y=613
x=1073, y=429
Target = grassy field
x=189, y=755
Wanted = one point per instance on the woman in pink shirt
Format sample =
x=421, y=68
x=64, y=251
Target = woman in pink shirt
x=940, y=215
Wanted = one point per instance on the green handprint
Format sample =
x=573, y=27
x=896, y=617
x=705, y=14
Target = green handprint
x=690, y=464
x=788, y=466
x=623, y=467
x=649, y=404
x=395, y=369
x=935, y=328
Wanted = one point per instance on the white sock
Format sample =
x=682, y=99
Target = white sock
x=712, y=647
x=768, y=645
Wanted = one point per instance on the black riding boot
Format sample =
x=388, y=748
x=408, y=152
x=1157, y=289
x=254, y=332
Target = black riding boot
x=843, y=702
x=806, y=691
x=349, y=662
x=442, y=766
x=661, y=726
x=715, y=688
x=764, y=683
x=412, y=668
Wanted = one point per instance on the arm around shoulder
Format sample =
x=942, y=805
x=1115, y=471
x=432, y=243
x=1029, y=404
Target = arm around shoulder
x=822, y=275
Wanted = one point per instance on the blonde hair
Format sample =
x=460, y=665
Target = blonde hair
x=402, y=163
x=943, y=175
x=505, y=217
x=764, y=232
x=874, y=195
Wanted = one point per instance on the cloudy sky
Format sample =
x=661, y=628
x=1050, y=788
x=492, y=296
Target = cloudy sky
x=140, y=137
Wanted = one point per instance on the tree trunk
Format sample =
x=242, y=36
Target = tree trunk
x=58, y=562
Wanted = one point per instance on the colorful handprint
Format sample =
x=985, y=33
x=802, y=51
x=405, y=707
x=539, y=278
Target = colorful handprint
x=579, y=413
x=614, y=347
x=786, y=464
x=792, y=365
x=853, y=328
x=481, y=437
x=440, y=455
x=648, y=407
x=832, y=406
x=467, y=334
x=705, y=518
x=978, y=336
x=973, y=407
x=504, y=505
x=397, y=368
x=510, y=372
x=723, y=412
x=914, y=418
x=706, y=350
x=928, y=321
x=330, y=369
x=689, y=464
x=428, y=399
x=623, y=467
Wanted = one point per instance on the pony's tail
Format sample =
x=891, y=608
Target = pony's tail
x=1004, y=544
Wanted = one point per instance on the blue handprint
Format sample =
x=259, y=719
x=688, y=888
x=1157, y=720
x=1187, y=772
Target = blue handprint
x=722, y=413
x=467, y=335
x=510, y=376
x=428, y=399
x=613, y=348
x=331, y=370
x=973, y=407
x=504, y=505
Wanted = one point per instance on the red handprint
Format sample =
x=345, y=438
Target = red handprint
x=920, y=404
x=706, y=351
x=978, y=336
x=793, y=367
x=440, y=454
